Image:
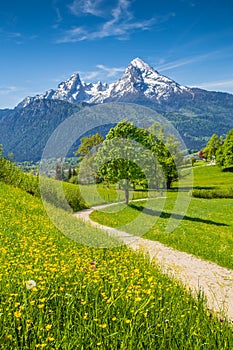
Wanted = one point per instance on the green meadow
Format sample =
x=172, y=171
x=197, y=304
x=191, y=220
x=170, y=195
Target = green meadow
x=66, y=285
x=205, y=230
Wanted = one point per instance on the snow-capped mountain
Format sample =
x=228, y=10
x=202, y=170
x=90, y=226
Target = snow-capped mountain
x=139, y=81
x=196, y=114
x=72, y=90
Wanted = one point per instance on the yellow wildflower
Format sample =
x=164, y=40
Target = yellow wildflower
x=48, y=327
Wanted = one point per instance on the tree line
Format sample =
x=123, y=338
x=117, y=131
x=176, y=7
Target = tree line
x=219, y=149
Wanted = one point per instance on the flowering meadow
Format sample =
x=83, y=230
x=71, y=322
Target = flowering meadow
x=59, y=294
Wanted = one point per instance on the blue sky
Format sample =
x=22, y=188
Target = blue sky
x=44, y=41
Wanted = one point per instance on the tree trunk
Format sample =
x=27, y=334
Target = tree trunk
x=169, y=182
x=127, y=195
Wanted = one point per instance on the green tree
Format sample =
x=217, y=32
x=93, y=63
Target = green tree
x=124, y=156
x=219, y=152
x=88, y=144
x=86, y=155
x=167, y=150
x=227, y=151
x=211, y=147
x=148, y=157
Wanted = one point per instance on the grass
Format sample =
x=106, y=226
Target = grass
x=88, y=298
x=100, y=194
x=60, y=194
x=206, y=229
x=211, y=177
x=211, y=182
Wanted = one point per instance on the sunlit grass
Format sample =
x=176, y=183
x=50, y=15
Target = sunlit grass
x=210, y=176
x=58, y=294
x=206, y=230
x=100, y=193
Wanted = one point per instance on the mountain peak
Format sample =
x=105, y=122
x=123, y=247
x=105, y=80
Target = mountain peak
x=71, y=83
x=139, y=63
x=139, y=81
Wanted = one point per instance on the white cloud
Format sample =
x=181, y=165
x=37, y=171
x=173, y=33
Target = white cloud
x=111, y=71
x=216, y=85
x=119, y=23
x=179, y=63
x=163, y=65
x=10, y=35
x=91, y=7
x=89, y=75
x=101, y=73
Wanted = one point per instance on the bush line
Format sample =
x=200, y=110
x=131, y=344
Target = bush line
x=11, y=175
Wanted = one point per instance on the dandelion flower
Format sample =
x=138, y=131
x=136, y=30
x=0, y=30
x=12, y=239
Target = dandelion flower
x=30, y=284
x=50, y=338
x=17, y=314
x=8, y=336
x=103, y=325
x=48, y=327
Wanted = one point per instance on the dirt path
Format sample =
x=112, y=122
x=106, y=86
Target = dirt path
x=197, y=274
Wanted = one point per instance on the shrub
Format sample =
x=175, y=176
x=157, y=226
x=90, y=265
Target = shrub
x=10, y=174
x=14, y=176
x=217, y=193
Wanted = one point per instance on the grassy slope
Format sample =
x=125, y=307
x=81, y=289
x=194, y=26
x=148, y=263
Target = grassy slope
x=205, y=231
x=123, y=303
x=211, y=177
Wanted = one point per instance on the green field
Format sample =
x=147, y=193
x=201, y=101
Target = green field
x=87, y=298
x=211, y=177
x=206, y=229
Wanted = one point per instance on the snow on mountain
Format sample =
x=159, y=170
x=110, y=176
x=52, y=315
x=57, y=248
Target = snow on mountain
x=72, y=90
x=138, y=81
x=141, y=80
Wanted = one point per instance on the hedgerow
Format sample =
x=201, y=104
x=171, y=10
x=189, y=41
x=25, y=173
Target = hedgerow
x=52, y=190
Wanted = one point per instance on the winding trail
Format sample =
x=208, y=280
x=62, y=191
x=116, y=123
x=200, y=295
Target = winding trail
x=196, y=274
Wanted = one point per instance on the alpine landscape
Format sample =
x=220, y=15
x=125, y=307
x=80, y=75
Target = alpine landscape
x=116, y=169
x=195, y=113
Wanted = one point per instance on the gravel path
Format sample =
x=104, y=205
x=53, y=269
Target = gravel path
x=215, y=281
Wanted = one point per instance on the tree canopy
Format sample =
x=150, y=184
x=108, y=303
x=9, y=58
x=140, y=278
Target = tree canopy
x=86, y=156
x=224, y=155
x=88, y=144
x=167, y=150
x=132, y=155
x=124, y=156
x=209, y=152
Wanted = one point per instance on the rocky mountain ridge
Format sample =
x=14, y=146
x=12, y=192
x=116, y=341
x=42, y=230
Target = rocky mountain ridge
x=138, y=81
